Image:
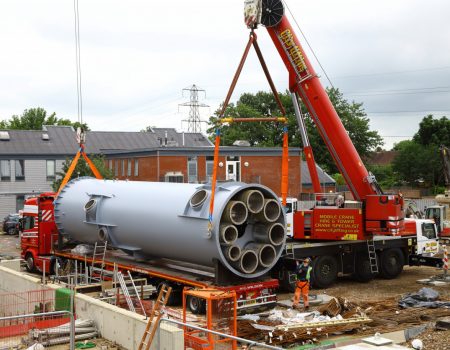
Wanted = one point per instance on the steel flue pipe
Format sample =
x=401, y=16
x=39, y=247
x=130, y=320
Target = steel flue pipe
x=271, y=211
x=235, y=212
x=228, y=234
x=233, y=253
x=254, y=200
x=273, y=233
x=248, y=263
x=266, y=253
x=168, y=220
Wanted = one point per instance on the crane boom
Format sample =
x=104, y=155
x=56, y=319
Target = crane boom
x=383, y=212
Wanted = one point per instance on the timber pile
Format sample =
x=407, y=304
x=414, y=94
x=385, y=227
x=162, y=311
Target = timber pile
x=342, y=316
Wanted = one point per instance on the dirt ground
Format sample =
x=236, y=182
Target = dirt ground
x=381, y=291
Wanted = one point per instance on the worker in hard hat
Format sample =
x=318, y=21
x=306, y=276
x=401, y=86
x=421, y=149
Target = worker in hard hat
x=303, y=274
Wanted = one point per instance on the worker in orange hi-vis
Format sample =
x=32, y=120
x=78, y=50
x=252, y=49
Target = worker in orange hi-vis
x=303, y=274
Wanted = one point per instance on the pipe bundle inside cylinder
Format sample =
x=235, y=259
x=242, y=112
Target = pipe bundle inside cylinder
x=170, y=220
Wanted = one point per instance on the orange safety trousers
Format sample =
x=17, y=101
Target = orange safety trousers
x=302, y=289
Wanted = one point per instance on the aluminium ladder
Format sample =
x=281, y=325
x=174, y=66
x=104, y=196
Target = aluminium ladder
x=125, y=291
x=150, y=329
x=372, y=256
x=98, y=262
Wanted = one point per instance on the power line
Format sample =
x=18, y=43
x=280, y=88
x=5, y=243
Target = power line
x=397, y=93
x=391, y=72
x=78, y=61
x=418, y=90
x=416, y=111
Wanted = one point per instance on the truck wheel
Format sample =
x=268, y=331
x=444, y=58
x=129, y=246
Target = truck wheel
x=391, y=263
x=11, y=231
x=174, y=297
x=196, y=305
x=363, y=272
x=287, y=283
x=325, y=271
x=29, y=260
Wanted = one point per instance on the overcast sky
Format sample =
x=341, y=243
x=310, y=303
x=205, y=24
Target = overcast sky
x=137, y=56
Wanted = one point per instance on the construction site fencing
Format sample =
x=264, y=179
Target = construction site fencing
x=162, y=339
x=25, y=313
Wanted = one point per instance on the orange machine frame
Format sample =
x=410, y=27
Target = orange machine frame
x=210, y=296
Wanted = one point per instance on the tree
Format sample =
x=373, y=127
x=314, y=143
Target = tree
x=35, y=118
x=418, y=161
x=82, y=169
x=263, y=104
x=433, y=131
x=417, y=164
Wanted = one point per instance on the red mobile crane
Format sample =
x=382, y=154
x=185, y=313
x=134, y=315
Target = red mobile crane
x=373, y=226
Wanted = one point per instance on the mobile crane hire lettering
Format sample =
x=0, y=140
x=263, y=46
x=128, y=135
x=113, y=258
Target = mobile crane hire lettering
x=293, y=50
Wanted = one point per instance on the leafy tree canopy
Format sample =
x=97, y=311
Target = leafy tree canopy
x=35, y=118
x=82, y=169
x=263, y=104
x=418, y=161
x=433, y=131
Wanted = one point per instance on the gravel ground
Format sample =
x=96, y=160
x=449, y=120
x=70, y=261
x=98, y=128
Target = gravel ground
x=9, y=245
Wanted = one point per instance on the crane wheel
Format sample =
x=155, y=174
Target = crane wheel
x=391, y=263
x=325, y=271
x=363, y=272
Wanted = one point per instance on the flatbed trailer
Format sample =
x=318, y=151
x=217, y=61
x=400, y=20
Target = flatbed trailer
x=255, y=294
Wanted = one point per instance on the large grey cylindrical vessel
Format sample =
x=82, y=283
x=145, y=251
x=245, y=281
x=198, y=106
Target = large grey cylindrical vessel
x=170, y=220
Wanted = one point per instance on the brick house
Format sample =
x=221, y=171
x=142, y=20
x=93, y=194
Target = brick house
x=195, y=165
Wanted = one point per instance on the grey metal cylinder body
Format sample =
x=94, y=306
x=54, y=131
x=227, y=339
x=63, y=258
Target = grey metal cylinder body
x=168, y=220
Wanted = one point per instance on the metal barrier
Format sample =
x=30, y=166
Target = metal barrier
x=250, y=343
x=40, y=315
x=33, y=311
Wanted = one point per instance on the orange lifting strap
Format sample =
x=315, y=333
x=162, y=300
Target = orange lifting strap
x=74, y=164
x=284, y=159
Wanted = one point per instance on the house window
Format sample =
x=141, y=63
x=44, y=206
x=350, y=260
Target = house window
x=51, y=170
x=116, y=168
x=136, y=167
x=192, y=170
x=209, y=168
x=174, y=177
x=123, y=167
x=110, y=165
x=20, y=170
x=129, y=168
x=5, y=170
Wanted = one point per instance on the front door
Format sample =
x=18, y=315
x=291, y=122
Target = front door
x=233, y=170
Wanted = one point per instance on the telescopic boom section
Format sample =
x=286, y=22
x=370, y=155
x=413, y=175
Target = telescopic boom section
x=304, y=81
x=383, y=212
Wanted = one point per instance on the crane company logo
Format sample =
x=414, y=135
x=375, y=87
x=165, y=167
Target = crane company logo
x=293, y=50
x=346, y=225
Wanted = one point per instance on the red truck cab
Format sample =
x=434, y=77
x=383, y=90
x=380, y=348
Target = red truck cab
x=39, y=232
